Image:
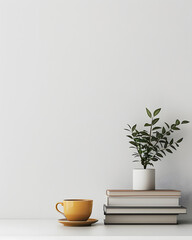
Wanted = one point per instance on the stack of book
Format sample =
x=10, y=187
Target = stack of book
x=142, y=207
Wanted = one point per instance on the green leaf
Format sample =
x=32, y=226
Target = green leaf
x=126, y=129
x=129, y=136
x=142, y=140
x=140, y=151
x=163, y=152
x=151, y=164
x=171, y=142
x=165, y=146
x=157, y=111
x=159, y=155
x=180, y=140
x=148, y=113
x=144, y=133
x=154, y=138
x=133, y=143
x=173, y=147
x=172, y=126
x=155, y=121
x=177, y=144
x=163, y=130
x=168, y=133
x=177, y=122
x=185, y=122
x=167, y=125
x=159, y=135
x=155, y=128
x=134, y=127
x=147, y=125
x=168, y=150
x=176, y=128
x=155, y=148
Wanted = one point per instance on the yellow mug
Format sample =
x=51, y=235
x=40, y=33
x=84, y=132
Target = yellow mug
x=76, y=209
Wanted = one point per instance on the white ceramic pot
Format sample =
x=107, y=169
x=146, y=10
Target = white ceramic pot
x=143, y=179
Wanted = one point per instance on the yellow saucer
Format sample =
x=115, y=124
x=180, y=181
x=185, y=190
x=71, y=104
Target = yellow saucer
x=65, y=222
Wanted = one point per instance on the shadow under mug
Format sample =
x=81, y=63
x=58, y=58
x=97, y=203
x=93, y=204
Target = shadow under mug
x=76, y=209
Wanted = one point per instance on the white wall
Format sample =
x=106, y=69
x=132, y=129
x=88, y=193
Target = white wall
x=72, y=74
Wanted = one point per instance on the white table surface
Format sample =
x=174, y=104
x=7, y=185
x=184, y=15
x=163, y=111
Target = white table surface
x=45, y=227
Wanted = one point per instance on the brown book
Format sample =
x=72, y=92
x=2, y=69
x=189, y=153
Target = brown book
x=126, y=192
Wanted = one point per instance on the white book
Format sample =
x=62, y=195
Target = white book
x=140, y=219
x=143, y=201
x=157, y=192
x=143, y=210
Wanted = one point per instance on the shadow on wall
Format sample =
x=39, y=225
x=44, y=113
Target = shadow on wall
x=172, y=173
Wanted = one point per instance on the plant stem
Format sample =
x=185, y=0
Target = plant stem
x=150, y=133
x=139, y=154
x=150, y=130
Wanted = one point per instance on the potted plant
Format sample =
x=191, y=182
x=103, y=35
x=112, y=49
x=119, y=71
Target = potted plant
x=151, y=145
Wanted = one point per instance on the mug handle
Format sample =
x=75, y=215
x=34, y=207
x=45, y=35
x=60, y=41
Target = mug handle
x=57, y=207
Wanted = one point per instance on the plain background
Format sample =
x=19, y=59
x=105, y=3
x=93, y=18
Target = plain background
x=72, y=75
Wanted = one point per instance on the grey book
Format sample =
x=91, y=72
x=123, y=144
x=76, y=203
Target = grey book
x=140, y=219
x=157, y=192
x=143, y=210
